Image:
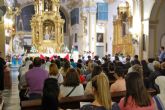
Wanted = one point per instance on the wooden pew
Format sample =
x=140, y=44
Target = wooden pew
x=74, y=101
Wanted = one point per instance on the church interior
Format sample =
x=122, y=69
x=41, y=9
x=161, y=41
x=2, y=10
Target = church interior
x=47, y=44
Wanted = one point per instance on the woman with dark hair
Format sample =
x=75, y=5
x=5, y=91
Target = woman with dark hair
x=97, y=70
x=119, y=84
x=51, y=92
x=71, y=85
x=137, y=97
x=64, y=69
x=146, y=71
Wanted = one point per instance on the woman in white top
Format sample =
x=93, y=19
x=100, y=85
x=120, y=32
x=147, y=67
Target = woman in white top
x=54, y=73
x=71, y=85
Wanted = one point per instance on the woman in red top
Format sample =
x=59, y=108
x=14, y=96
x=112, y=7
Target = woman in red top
x=137, y=97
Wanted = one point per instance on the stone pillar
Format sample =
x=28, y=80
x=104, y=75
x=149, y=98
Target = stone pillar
x=2, y=33
x=92, y=28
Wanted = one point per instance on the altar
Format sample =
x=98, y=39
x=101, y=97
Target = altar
x=47, y=27
x=67, y=56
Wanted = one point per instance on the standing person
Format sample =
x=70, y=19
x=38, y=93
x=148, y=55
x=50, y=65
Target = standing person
x=137, y=97
x=35, y=79
x=2, y=64
x=100, y=87
x=162, y=54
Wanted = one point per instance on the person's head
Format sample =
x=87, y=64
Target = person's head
x=111, y=67
x=53, y=69
x=162, y=48
x=47, y=59
x=26, y=59
x=72, y=78
x=97, y=70
x=89, y=57
x=156, y=65
x=58, y=63
x=79, y=65
x=66, y=65
x=42, y=61
x=37, y=62
x=119, y=71
x=79, y=61
x=136, y=57
x=51, y=92
x=163, y=65
x=31, y=66
x=150, y=60
x=91, y=66
x=71, y=60
x=136, y=89
x=137, y=68
x=100, y=87
x=31, y=58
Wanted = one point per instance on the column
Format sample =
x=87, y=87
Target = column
x=2, y=33
x=92, y=28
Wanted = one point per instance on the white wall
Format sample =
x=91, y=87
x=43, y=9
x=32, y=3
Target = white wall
x=112, y=12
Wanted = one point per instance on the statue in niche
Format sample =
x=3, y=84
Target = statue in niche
x=47, y=33
x=124, y=23
x=48, y=5
x=49, y=30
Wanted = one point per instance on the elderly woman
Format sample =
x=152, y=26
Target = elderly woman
x=160, y=98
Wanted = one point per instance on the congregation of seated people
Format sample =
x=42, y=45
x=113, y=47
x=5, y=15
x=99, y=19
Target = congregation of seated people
x=51, y=80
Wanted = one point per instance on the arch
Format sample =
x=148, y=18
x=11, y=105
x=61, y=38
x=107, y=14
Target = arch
x=155, y=22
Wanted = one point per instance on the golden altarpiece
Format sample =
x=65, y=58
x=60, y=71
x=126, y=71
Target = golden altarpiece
x=122, y=41
x=47, y=27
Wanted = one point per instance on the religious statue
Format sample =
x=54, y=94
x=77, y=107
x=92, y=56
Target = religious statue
x=48, y=5
x=47, y=34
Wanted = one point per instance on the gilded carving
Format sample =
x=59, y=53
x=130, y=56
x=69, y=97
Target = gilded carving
x=46, y=26
x=122, y=42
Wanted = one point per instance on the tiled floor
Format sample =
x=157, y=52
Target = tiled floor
x=11, y=97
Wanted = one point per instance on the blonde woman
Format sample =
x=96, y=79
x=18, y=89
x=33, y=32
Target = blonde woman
x=54, y=73
x=101, y=91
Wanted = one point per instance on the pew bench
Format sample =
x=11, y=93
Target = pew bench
x=74, y=101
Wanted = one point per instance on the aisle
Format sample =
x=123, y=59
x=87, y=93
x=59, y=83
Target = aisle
x=12, y=97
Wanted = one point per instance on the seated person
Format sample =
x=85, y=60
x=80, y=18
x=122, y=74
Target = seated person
x=163, y=68
x=51, y=92
x=154, y=74
x=119, y=84
x=97, y=70
x=100, y=87
x=54, y=73
x=35, y=79
x=160, y=98
x=137, y=97
x=71, y=85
